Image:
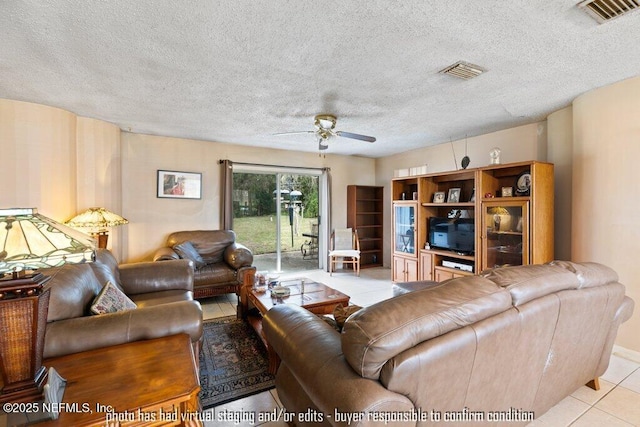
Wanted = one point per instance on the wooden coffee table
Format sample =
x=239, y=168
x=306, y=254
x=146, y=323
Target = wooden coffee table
x=318, y=298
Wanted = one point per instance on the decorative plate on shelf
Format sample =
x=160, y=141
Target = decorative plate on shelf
x=523, y=184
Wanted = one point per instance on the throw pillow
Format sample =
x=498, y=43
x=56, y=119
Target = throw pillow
x=330, y=321
x=341, y=314
x=186, y=250
x=110, y=300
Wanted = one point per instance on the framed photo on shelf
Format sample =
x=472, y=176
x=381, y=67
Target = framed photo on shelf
x=438, y=197
x=454, y=195
x=179, y=185
x=507, y=191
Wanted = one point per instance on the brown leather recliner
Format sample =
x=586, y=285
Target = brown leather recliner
x=505, y=346
x=222, y=265
x=163, y=295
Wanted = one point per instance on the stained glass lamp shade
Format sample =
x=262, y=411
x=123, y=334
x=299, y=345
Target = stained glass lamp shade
x=97, y=219
x=30, y=241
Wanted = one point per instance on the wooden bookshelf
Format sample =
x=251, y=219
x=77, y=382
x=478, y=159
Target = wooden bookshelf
x=364, y=214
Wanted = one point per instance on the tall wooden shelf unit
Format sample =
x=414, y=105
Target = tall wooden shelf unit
x=364, y=214
x=509, y=230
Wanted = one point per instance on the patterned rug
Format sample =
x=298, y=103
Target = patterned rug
x=233, y=362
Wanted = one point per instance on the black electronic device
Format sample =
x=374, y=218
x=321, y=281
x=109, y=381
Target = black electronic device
x=457, y=235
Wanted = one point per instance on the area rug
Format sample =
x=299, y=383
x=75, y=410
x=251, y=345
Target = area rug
x=233, y=362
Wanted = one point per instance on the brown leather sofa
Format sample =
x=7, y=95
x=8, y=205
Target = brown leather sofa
x=163, y=294
x=507, y=345
x=222, y=265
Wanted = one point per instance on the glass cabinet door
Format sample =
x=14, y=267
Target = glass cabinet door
x=505, y=239
x=404, y=227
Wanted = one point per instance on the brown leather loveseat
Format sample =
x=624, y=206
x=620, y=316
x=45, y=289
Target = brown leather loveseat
x=163, y=295
x=222, y=265
x=505, y=346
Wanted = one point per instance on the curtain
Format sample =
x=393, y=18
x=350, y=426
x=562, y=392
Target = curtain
x=324, y=226
x=226, y=220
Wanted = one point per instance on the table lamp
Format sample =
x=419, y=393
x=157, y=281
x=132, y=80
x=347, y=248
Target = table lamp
x=498, y=212
x=30, y=241
x=97, y=219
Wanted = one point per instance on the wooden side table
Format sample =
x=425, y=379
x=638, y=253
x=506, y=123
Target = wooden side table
x=153, y=382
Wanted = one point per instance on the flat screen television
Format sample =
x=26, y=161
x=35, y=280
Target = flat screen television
x=453, y=234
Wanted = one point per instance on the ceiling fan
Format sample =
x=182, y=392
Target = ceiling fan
x=325, y=128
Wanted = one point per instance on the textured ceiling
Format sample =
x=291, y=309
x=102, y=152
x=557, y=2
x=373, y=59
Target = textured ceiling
x=239, y=71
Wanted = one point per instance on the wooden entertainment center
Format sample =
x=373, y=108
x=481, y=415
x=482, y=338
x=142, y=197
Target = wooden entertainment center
x=487, y=217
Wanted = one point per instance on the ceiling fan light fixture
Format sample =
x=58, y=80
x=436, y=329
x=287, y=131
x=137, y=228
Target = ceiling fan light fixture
x=325, y=121
x=323, y=144
x=325, y=125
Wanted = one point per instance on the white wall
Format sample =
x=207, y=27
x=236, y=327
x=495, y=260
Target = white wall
x=62, y=164
x=606, y=203
x=560, y=153
x=98, y=177
x=38, y=146
x=527, y=142
x=152, y=219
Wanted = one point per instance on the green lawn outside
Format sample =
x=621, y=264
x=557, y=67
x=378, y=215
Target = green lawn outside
x=258, y=233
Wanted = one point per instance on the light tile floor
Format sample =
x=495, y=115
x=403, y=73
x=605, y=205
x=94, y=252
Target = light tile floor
x=617, y=403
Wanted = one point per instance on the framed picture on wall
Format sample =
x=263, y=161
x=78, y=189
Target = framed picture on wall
x=179, y=185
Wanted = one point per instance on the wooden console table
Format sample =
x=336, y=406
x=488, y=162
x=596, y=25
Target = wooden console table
x=139, y=382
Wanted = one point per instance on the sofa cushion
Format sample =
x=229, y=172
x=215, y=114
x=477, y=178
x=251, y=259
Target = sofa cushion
x=111, y=300
x=186, y=250
x=528, y=282
x=589, y=274
x=150, y=299
x=106, y=269
x=73, y=288
x=379, y=332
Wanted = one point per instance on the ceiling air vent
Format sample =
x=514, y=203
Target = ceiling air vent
x=463, y=70
x=605, y=10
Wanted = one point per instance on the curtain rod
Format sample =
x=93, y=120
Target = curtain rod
x=272, y=166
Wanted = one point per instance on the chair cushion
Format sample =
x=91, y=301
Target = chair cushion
x=110, y=300
x=210, y=244
x=186, y=250
x=345, y=252
x=210, y=274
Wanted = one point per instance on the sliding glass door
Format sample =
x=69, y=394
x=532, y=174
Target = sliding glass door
x=276, y=213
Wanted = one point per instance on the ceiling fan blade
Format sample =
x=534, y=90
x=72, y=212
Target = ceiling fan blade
x=294, y=133
x=355, y=136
